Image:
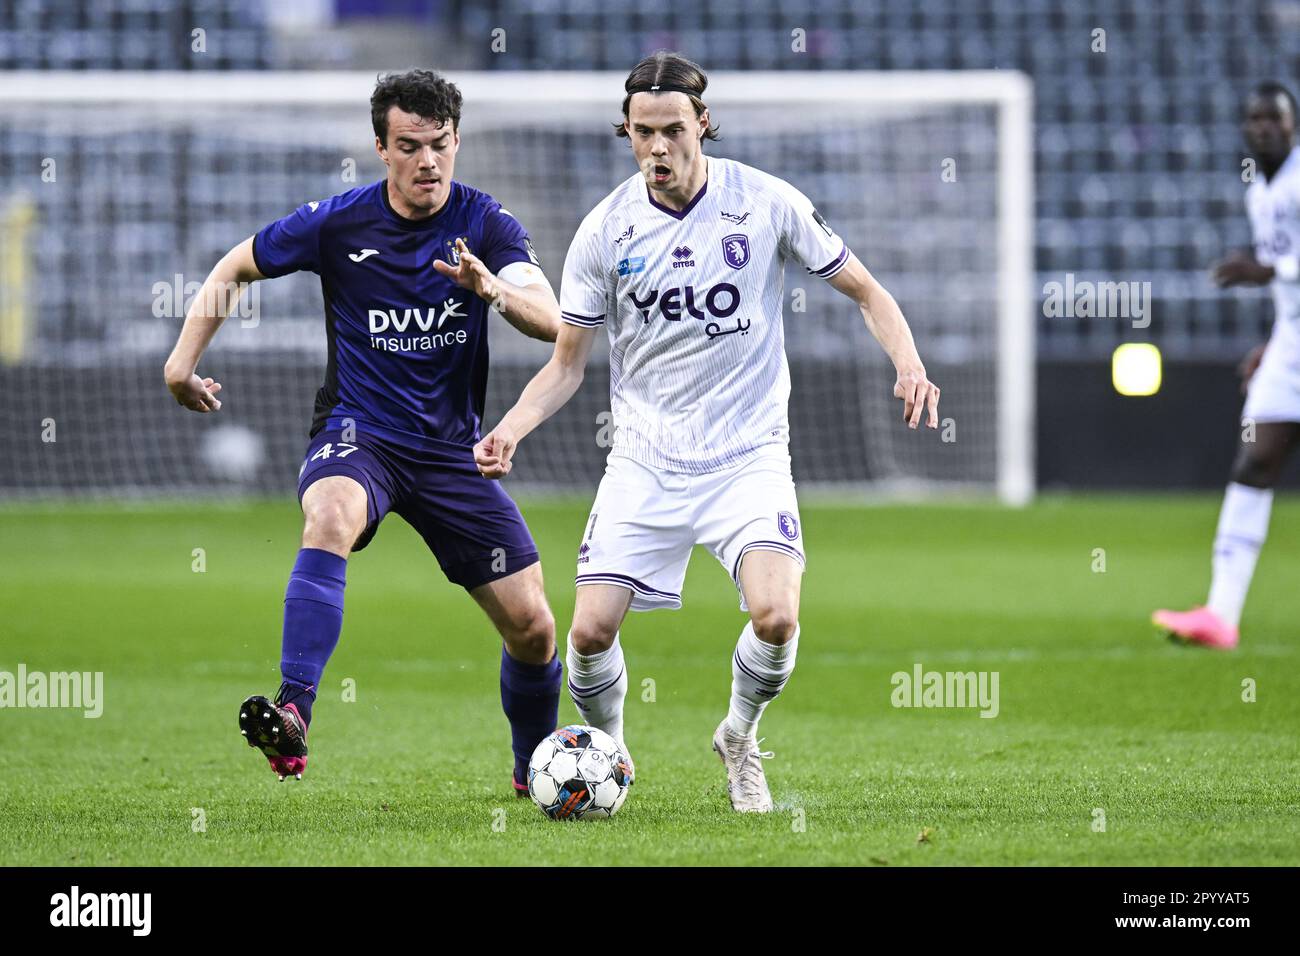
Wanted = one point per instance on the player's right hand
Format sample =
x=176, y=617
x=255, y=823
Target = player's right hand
x=493, y=453
x=196, y=394
x=919, y=395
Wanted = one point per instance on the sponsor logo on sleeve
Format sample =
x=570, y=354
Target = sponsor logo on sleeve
x=826, y=227
x=630, y=265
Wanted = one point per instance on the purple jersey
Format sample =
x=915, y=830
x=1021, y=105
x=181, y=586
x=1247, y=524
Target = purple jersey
x=408, y=348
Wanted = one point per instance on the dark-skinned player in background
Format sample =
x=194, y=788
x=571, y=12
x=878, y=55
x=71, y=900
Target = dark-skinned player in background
x=1271, y=374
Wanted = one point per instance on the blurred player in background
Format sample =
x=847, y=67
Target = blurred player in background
x=683, y=264
x=1271, y=416
x=408, y=267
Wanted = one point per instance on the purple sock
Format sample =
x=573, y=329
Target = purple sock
x=313, y=618
x=530, y=696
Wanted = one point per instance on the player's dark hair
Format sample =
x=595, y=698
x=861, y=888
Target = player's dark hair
x=674, y=73
x=1270, y=89
x=422, y=92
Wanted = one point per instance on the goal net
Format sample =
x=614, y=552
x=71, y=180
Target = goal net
x=118, y=193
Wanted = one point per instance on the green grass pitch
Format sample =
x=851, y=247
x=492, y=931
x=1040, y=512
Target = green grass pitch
x=1098, y=715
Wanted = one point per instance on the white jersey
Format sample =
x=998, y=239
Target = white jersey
x=692, y=301
x=1274, y=211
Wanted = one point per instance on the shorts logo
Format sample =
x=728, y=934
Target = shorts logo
x=788, y=524
x=584, y=553
x=630, y=265
x=735, y=249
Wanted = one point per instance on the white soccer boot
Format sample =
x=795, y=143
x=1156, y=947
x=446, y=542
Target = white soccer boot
x=746, y=782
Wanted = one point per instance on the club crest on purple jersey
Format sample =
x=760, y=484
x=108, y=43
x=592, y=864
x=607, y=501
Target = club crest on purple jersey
x=735, y=249
x=453, y=253
x=788, y=524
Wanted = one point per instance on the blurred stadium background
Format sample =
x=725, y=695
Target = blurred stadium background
x=1136, y=178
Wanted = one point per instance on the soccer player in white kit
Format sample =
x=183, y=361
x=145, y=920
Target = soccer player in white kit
x=682, y=265
x=1271, y=416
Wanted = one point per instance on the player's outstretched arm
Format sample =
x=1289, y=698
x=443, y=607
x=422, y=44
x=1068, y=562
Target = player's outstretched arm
x=531, y=308
x=541, y=398
x=217, y=297
x=885, y=321
x=1242, y=268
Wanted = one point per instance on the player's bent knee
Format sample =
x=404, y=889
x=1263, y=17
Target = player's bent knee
x=774, y=624
x=531, y=635
x=333, y=518
x=592, y=637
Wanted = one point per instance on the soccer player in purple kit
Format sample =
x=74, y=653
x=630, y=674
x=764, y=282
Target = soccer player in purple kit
x=408, y=267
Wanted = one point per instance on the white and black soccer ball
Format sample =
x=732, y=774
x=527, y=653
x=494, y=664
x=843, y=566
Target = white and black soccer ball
x=579, y=773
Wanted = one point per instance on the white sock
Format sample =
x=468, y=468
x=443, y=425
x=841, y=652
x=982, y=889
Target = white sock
x=758, y=673
x=597, y=685
x=1243, y=526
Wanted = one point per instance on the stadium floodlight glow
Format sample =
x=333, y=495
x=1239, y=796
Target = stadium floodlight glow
x=948, y=231
x=1135, y=369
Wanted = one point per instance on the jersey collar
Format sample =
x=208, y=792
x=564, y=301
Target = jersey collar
x=1287, y=163
x=685, y=210
x=396, y=217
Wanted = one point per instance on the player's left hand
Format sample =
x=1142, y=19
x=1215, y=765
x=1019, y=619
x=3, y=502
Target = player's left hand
x=470, y=273
x=493, y=453
x=919, y=394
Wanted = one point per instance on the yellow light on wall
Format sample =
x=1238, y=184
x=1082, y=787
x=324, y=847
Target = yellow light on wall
x=1135, y=369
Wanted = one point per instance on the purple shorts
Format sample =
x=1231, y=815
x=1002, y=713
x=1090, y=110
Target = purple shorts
x=470, y=524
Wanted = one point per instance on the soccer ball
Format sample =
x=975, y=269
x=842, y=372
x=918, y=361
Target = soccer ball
x=579, y=773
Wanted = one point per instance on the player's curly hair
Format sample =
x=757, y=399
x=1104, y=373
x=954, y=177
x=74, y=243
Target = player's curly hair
x=666, y=68
x=422, y=92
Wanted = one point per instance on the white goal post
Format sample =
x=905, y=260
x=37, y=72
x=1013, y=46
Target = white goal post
x=157, y=173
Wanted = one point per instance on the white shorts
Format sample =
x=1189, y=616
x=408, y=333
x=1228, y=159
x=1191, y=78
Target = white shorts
x=1274, y=391
x=644, y=523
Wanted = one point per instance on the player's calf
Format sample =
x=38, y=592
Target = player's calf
x=597, y=671
x=530, y=669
